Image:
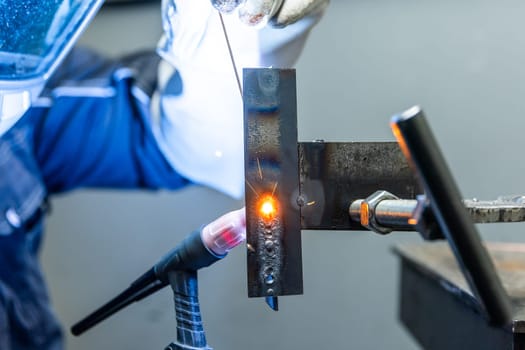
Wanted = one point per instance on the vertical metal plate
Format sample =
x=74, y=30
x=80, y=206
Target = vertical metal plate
x=272, y=171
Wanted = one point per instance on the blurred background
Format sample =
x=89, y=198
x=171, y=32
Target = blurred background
x=366, y=60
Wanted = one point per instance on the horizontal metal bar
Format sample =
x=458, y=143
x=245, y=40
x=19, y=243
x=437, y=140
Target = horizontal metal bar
x=334, y=174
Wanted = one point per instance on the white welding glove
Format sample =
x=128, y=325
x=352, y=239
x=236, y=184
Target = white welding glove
x=280, y=13
x=197, y=110
x=292, y=11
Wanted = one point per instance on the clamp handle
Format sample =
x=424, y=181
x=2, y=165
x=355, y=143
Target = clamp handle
x=423, y=154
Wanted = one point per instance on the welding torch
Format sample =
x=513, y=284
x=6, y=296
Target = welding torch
x=199, y=249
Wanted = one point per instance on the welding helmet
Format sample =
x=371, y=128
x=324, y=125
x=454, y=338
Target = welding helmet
x=35, y=35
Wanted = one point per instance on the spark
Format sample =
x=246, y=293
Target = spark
x=274, y=188
x=260, y=170
x=251, y=187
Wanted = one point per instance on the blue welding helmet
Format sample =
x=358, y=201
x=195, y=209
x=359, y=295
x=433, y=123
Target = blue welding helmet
x=35, y=35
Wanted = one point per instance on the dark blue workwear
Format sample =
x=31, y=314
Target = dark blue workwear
x=91, y=128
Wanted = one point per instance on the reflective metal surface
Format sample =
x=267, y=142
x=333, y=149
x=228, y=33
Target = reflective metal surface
x=397, y=214
x=333, y=175
x=273, y=227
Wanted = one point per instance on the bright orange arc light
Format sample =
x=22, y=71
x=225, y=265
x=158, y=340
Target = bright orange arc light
x=268, y=207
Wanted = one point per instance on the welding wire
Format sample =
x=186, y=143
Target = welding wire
x=231, y=53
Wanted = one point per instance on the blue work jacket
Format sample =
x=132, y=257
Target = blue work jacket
x=91, y=128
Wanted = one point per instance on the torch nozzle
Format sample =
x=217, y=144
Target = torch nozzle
x=225, y=233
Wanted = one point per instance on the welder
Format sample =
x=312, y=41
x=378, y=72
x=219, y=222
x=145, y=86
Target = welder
x=70, y=118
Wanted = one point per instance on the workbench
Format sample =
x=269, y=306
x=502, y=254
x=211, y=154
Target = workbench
x=440, y=311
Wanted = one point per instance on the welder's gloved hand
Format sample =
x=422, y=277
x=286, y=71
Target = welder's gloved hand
x=279, y=13
x=292, y=11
